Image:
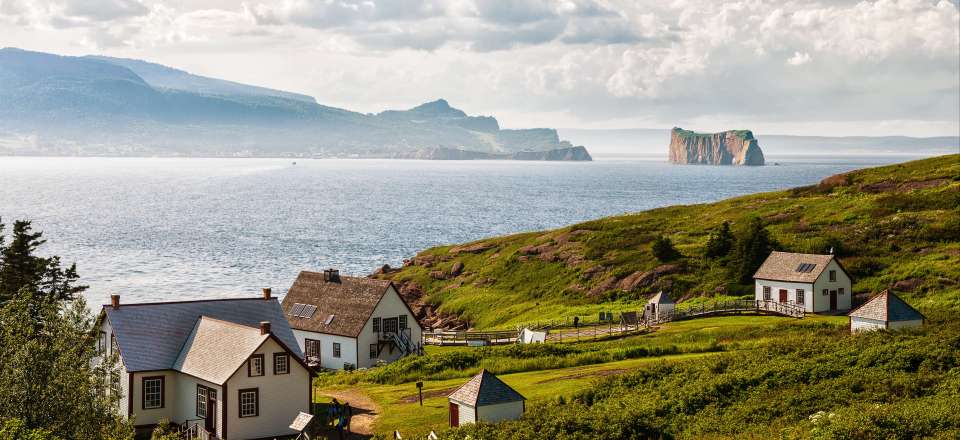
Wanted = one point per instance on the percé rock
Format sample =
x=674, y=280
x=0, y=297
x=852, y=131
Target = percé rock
x=734, y=147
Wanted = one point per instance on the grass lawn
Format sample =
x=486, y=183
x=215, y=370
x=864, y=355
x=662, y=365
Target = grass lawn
x=400, y=410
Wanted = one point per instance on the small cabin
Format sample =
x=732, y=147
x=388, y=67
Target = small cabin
x=485, y=398
x=817, y=282
x=659, y=308
x=885, y=311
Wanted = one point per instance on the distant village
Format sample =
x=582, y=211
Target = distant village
x=244, y=368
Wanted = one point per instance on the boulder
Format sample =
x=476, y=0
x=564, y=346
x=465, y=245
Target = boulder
x=457, y=269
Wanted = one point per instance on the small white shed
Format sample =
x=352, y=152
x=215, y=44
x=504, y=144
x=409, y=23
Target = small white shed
x=885, y=311
x=659, y=308
x=485, y=398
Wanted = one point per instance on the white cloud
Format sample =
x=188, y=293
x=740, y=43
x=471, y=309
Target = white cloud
x=591, y=60
x=799, y=59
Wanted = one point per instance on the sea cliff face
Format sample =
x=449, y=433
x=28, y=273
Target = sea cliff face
x=735, y=147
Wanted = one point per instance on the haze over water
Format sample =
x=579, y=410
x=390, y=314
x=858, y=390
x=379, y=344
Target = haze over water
x=168, y=229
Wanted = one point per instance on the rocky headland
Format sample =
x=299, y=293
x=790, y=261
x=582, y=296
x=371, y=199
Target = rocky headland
x=734, y=147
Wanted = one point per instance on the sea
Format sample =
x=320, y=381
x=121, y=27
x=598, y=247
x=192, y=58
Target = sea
x=163, y=229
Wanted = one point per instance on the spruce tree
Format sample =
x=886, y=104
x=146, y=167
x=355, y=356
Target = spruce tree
x=720, y=242
x=663, y=249
x=21, y=267
x=753, y=246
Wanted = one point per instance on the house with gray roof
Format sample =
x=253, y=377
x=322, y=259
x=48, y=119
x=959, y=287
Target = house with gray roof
x=659, y=308
x=344, y=322
x=817, y=282
x=885, y=311
x=484, y=398
x=229, y=368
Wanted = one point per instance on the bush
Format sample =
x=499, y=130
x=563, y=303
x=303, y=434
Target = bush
x=663, y=249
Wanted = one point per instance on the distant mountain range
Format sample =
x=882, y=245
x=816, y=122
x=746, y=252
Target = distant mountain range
x=94, y=105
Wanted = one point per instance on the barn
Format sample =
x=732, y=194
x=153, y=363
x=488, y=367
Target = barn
x=485, y=398
x=885, y=311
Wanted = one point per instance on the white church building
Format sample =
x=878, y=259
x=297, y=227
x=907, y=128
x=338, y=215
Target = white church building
x=818, y=282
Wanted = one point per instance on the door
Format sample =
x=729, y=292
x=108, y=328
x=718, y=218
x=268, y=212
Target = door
x=390, y=325
x=454, y=415
x=833, y=300
x=783, y=295
x=210, y=424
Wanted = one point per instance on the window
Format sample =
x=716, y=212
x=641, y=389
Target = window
x=373, y=351
x=403, y=321
x=840, y=291
x=376, y=325
x=312, y=348
x=833, y=275
x=152, y=392
x=336, y=349
x=102, y=343
x=281, y=363
x=249, y=402
x=202, y=394
x=800, y=296
x=113, y=343
x=255, y=365
x=766, y=293
x=826, y=292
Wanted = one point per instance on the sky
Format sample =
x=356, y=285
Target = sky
x=832, y=68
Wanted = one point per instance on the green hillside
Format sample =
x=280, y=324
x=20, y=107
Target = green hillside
x=894, y=226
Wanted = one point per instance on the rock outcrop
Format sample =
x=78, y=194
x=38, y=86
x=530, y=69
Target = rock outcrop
x=735, y=147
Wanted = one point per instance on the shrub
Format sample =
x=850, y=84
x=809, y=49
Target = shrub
x=663, y=249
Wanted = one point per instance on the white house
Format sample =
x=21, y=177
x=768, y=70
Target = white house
x=818, y=282
x=231, y=367
x=485, y=398
x=660, y=307
x=884, y=311
x=343, y=322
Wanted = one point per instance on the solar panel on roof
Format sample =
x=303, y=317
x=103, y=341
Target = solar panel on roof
x=329, y=320
x=806, y=267
x=296, y=309
x=308, y=311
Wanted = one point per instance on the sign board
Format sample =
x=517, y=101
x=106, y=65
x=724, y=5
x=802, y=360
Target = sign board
x=301, y=422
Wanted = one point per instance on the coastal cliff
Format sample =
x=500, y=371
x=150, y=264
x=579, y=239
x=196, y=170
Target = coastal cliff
x=734, y=147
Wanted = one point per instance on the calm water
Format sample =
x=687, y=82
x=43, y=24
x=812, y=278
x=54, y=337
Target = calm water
x=164, y=229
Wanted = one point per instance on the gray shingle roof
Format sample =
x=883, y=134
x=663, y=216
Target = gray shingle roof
x=782, y=266
x=485, y=389
x=216, y=349
x=151, y=335
x=887, y=306
x=661, y=298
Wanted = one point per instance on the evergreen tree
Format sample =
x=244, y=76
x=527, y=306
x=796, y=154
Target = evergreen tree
x=21, y=267
x=663, y=249
x=720, y=242
x=753, y=246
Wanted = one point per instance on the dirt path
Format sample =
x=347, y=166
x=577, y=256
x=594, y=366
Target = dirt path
x=365, y=410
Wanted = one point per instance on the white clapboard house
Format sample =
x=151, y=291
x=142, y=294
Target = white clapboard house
x=659, y=308
x=484, y=398
x=227, y=369
x=344, y=322
x=818, y=282
x=885, y=311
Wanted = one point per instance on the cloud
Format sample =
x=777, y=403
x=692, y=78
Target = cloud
x=104, y=10
x=799, y=59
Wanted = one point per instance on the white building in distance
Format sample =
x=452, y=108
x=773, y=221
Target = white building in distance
x=818, y=282
x=343, y=322
x=485, y=398
x=886, y=311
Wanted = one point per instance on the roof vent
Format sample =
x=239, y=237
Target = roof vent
x=331, y=275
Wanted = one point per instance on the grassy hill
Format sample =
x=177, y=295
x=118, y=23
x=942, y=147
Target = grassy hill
x=894, y=226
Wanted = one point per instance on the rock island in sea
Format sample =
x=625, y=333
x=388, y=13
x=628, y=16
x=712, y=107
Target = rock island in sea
x=734, y=147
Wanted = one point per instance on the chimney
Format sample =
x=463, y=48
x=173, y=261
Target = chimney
x=266, y=293
x=115, y=301
x=331, y=275
x=264, y=327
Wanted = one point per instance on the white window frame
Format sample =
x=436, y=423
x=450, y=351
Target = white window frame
x=767, y=293
x=285, y=364
x=801, y=296
x=336, y=350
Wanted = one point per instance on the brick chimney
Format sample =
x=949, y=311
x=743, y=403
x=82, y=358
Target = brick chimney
x=266, y=293
x=264, y=327
x=115, y=301
x=331, y=275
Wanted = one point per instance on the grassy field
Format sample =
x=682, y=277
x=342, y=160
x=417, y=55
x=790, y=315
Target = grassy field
x=542, y=382
x=897, y=226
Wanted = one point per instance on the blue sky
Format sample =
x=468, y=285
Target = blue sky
x=796, y=67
